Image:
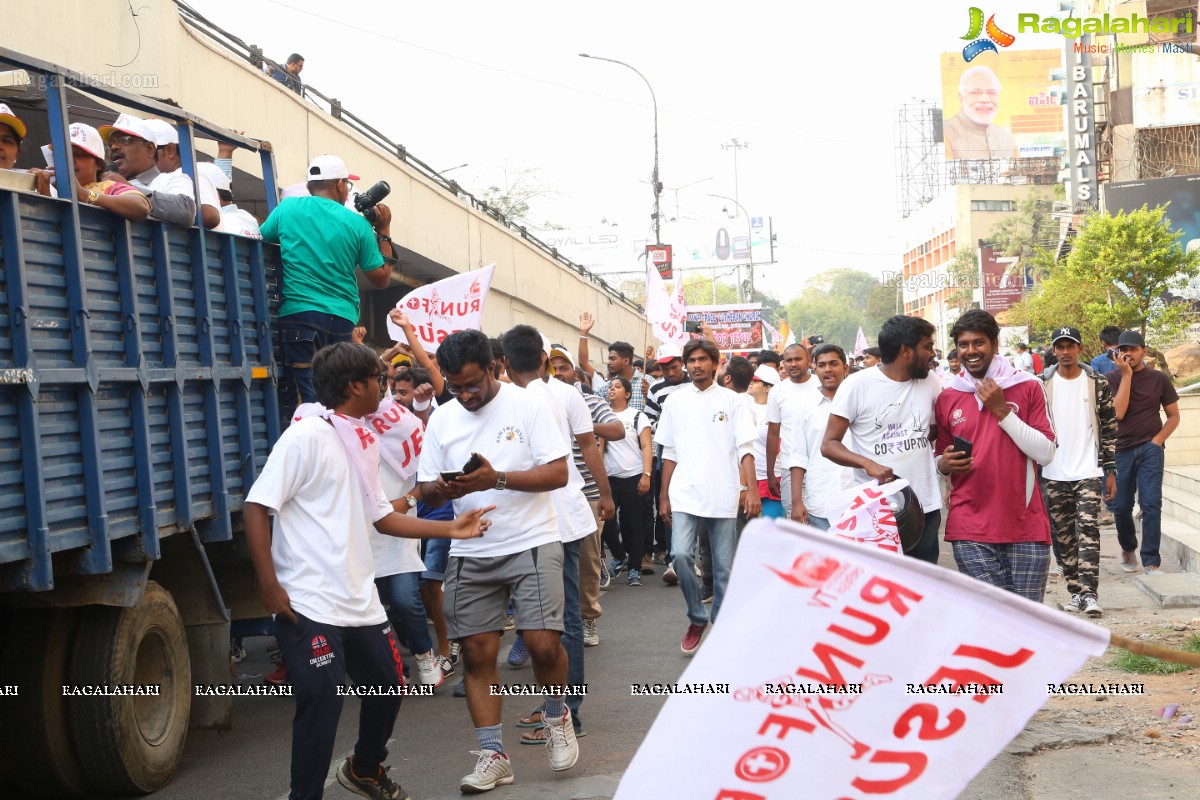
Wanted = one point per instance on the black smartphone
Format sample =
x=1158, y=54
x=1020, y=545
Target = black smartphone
x=472, y=464
x=449, y=476
x=961, y=445
x=692, y=327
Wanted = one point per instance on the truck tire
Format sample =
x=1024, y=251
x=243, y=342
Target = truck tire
x=37, y=749
x=131, y=744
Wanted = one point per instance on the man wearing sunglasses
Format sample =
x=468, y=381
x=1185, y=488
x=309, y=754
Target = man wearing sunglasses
x=322, y=244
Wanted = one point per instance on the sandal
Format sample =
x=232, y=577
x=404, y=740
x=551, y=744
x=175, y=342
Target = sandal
x=534, y=720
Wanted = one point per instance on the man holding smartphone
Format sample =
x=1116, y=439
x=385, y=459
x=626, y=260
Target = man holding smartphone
x=1138, y=394
x=997, y=523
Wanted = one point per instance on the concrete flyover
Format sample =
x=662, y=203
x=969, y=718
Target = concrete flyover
x=440, y=232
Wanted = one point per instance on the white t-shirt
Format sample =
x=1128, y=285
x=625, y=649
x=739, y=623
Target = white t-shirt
x=1074, y=430
x=623, y=458
x=321, y=545
x=890, y=423
x=824, y=481
x=784, y=403
x=759, y=412
x=516, y=431
x=395, y=554
x=571, y=414
x=1023, y=361
x=238, y=222
x=176, y=182
x=706, y=433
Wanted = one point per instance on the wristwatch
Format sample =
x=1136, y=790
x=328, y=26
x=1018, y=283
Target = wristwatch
x=93, y=196
x=501, y=481
x=412, y=501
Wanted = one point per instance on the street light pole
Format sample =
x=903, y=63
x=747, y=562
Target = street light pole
x=655, y=183
x=749, y=244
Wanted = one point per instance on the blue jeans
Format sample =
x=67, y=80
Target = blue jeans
x=301, y=336
x=572, y=638
x=722, y=541
x=402, y=593
x=820, y=523
x=1140, y=470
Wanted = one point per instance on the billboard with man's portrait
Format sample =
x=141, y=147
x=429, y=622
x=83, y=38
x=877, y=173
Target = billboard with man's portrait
x=1000, y=106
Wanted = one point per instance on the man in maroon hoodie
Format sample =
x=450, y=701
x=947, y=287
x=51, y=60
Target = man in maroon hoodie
x=997, y=522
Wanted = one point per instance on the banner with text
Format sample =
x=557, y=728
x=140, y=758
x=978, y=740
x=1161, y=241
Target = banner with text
x=887, y=677
x=439, y=309
x=665, y=313
x=735, y=326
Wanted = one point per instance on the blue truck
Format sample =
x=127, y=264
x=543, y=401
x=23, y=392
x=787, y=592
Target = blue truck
x=138, y=401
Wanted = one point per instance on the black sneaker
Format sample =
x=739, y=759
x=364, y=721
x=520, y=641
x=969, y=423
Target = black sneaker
x=377, y=787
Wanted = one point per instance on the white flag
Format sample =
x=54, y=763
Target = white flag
x=860, y=342
x=665, y=315
x=886, y=677
x=439, y=309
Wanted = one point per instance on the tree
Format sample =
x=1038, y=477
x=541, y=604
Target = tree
x=1119, y=272
x=963, y=271
x=512, y=201
x=837, y=302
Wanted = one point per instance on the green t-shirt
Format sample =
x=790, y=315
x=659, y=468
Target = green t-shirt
x=321, y=244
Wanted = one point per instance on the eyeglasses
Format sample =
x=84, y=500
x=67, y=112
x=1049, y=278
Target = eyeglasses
x=380, y=378
x=472, y=388
x=123, y=139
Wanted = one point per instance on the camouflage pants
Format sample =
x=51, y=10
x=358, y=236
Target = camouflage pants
x=1074, y=508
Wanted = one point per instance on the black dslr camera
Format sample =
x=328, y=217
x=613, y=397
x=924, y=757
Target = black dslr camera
x=365, y=202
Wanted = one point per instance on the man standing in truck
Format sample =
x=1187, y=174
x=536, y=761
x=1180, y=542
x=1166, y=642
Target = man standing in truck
x=322, y=243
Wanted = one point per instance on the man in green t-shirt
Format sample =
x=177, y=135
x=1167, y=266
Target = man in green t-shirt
x=322, y=243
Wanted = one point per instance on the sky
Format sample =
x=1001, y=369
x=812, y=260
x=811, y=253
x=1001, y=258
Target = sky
x=500, y=87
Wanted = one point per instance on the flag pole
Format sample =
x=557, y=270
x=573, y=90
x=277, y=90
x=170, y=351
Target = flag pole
x=1140, y=648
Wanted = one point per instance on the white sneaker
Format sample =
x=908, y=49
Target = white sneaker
x=491, y=770
x=1091, y=607
x=591, y=636
x=429, y=671
x=560, y=742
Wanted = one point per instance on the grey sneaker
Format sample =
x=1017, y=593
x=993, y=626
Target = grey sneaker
x=605, y=575
x=377, y=787
x=591, y=636
x=491, y=770
x=1129, y=561
x=1091, y=607
x=560, y=742
x=1076, y=604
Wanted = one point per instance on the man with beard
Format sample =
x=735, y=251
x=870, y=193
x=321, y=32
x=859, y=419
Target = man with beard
x=889, y=411
x=997, y=523
x=620, y=363
x=817, y=482
x=970, y=134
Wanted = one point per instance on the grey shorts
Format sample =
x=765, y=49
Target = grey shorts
x=477, y=591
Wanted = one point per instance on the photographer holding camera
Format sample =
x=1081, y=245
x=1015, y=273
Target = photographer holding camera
x=322, y=243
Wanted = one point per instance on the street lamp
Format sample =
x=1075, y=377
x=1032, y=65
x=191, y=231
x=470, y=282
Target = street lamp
x=676, y=190
x=655, y=183
x=749, y=244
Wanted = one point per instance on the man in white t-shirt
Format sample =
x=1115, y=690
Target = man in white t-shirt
x=766, y=378
x=168, y=161
x=784, y=404
x=889, y=411
x=527, y=358
x=317, y=575
x=1084, y=469
x=818, y=483
x=1023, y=360
x=519, y=458
x=707, y=435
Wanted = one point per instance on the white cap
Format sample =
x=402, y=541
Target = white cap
x=767, y=374
x=558, y=351
x=128, y=123
x=546, y=346
x=668, y=353
x=215, y=175
x=162, y=131
x=327, y=168
x=12, y=120
x=87, y=138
